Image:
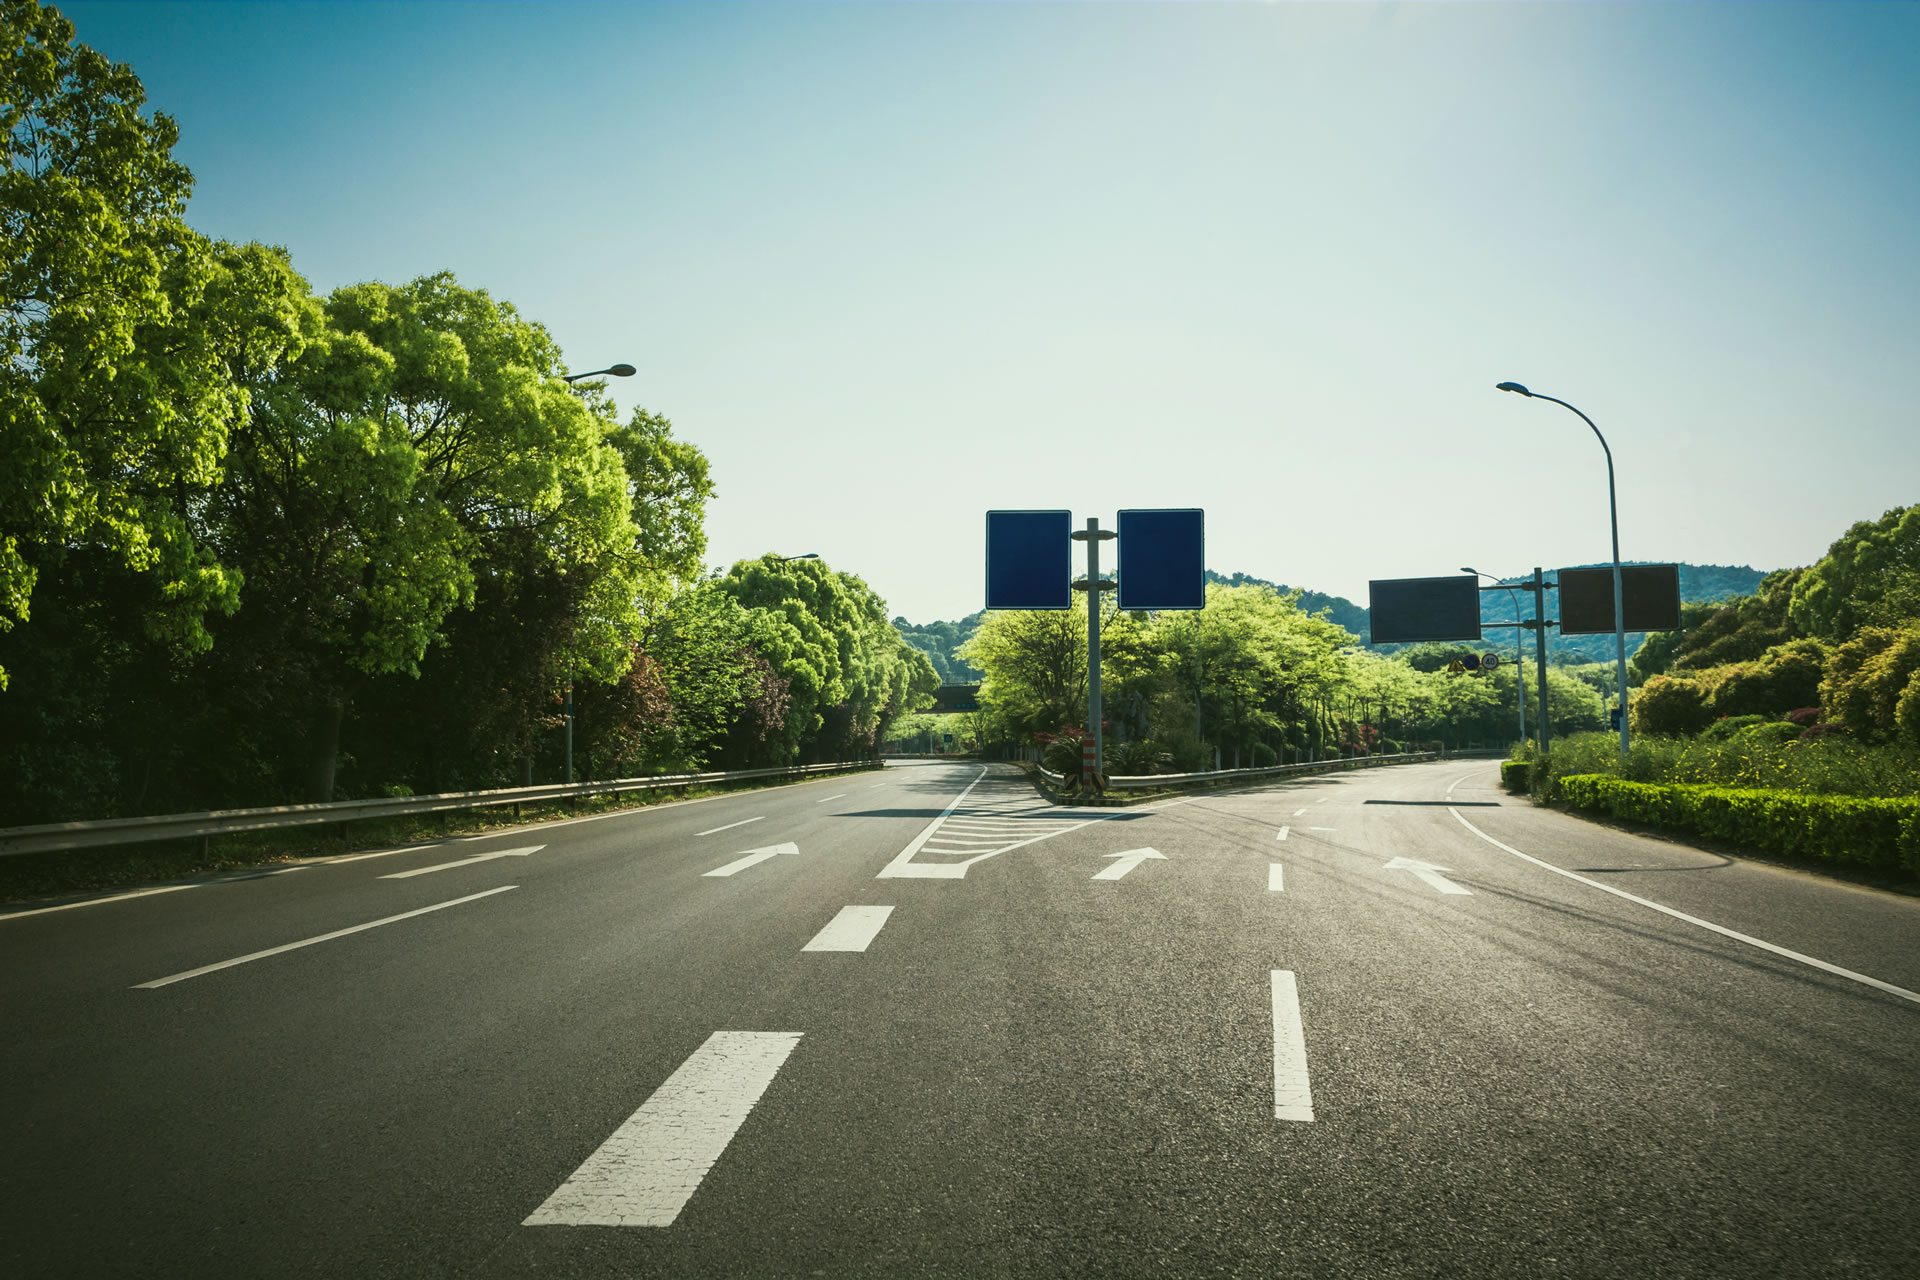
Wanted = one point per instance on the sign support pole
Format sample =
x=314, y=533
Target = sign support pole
x=1093, y=535
x=1539, y=586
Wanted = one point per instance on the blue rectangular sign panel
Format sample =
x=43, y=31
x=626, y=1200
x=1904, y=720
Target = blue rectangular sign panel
x=1029, y=559
x=1163, y=559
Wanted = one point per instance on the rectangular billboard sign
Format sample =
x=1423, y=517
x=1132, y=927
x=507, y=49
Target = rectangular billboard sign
x=1650, y=594
x=1407, y=609
x=1163, y=559
x=1029, y=559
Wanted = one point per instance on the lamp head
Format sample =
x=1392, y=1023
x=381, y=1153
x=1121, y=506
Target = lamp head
x=1514, y=386
x=622, y=371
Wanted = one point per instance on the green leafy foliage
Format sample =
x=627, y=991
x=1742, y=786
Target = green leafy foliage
x=1872, y=685
x=942, y=642
x=1869, y=577
x=1849, y=829
x=1755, y=758
x=849, y=672
x=119, y=326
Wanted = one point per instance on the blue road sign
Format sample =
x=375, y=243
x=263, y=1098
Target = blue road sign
x=1029, y=559
x=1163, y=559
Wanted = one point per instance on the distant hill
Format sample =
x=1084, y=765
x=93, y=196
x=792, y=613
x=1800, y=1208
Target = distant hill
x=1698, y=583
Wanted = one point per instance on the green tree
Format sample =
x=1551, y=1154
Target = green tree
x=116, y=387
x=1035, y=665
x=1869, y=577
x=827, y=634
x=1872, y=684
x=421, y=434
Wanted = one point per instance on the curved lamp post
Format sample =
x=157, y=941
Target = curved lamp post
x=1613, y=511
x=618, y=371
x=1519, y=676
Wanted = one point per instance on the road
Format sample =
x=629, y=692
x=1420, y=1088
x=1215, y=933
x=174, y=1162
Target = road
x=1382, y=1023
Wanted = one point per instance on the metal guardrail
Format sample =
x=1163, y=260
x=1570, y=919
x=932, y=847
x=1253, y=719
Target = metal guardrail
x=1142, y=782
x=55, y=837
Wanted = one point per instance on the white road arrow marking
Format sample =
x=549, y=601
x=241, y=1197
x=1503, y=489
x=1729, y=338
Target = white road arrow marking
x=753, y=858
x=467, y=862
x=1127, y=862
x=1430, y=873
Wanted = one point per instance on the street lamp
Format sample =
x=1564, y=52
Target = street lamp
x=1613, y=512
x=1519, y=678
x=811, y=555
x=618, y=371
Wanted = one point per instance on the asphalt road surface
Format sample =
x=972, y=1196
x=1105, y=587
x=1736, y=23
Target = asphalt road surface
x=920, y=1022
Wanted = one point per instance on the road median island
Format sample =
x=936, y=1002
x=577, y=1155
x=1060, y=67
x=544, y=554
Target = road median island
x=1852, y=831
x=1123, y=792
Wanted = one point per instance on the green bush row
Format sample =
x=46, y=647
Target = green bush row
x=1870, y=832
x=1513, y=775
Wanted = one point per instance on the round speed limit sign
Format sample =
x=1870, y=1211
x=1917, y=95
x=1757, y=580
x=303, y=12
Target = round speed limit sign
x=1488, y=661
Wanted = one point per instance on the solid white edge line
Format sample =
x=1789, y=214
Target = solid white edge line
x=648, y=1168
x=94, y=902
x=730, y=826
x=1722, y=930
x=854, y=929
x=307, y=942
x=1276, y=882
x=1292, y=1091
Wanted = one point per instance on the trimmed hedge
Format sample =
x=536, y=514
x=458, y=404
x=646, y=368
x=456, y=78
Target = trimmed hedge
x=1870, y=832
x=1513, y=775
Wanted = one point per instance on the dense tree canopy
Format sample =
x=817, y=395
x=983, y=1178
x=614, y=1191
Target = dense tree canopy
x=119, y=326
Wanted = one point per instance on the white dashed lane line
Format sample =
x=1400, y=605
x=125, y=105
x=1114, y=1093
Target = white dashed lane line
x=852, y=930
x=730, y=826
x=644, y=1174
x=1276, y=882
x=1292, y=1092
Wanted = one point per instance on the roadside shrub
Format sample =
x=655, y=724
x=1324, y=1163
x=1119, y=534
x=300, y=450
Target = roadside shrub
x=1513, y=775
x=1670, y=706
x=1872, y=684
x=1833, y=765
x=1726, y=726
x=1864, y=831
x=1784, y=677
x=1264, y=756
x=1138, y=758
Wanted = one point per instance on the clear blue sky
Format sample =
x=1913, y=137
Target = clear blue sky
x=893, y=265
